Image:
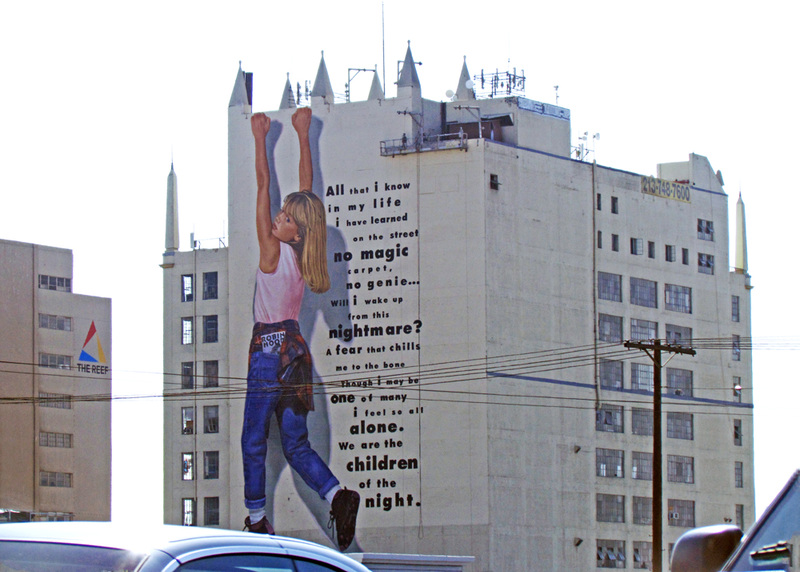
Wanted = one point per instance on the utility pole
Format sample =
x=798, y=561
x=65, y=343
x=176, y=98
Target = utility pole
x=656, y=347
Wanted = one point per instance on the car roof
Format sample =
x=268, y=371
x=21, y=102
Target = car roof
x=179, y=542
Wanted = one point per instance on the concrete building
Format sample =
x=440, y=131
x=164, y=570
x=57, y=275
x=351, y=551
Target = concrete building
x=471, y=381
x=55, y=389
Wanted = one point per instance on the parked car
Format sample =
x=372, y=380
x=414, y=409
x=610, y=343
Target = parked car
x=768, y=545
x=107, y=547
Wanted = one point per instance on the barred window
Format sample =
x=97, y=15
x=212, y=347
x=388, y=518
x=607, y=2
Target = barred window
x=187, y=466
x=610, y=374
x=643, y=292
x=642, y=466
x=187, y=420
x=610, y=508
x=705, y=229
x=58, y=440
x=642, y=510
x=736, y=348
x=210, y=329
x=642, y=554
x=642, y=376
x=738, y=474
x=610, y=553
x=680, y=425
x=187, y=375
x=210, y=464
x=737, y=432
x=642, y=421
x=55, y=361
x=678, y=298
x=187, y=288
x=680, y=381
x=610, y=463
x=679, y=335
x=609, y=286
x=680, y=469
x=211, y=419
x=637, y=246
x=57, y=283
x=705, y=263
x=189, y=508
x=211, y=511
x=55, y=400
x=735, y=308
x=643, y=329
x=210, y=290
x=609, y=419
x=187, y=331
x=55, y=479
x=680, y=513
x=740, y=516
x=51, y=322
x=211, y=373
x=609, y=328
x=669, y=252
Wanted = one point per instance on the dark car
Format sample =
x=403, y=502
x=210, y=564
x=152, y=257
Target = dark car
x=107, y=547
x=772, y=543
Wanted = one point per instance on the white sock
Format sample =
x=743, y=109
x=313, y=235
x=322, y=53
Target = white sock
x=257, y=514
x=332, y=493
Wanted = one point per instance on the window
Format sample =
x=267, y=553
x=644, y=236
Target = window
x=705, y=263
x=637, y=246
x=643, y=329
x=55, y=361
x=56, y=283
x=736, y=348
x=187, y=287
x=211, y=511
x=669, y=253
x=685, y=256
x=740, y=516
x=211, y=373
x=609, y=419
x=651, y=249
x=599, y=202
x=189, y=508
x=642, y=376
x=599, y=239
x=187, y=420
x=680, y=469
x=643, y=292
x=680, y=426
x=705, y=229
x=642, y=510
x=642, y=421
x=615, y=205
x=210, y=464
x=610, y=374
x=680, y=381
x=55, y=479
x=187, y=375
x=737, y=388
x=642, y=554
x=642, y=466
x=210, y=291
x=737, y=432
x=59, y=440
x=211, y=419
x=738, y=474
x=187, y=466
x=610, y=463
x=210, y=330
x=610, y=553
x=615, y=242
x=62, y=323
x=610, y=508
x=609, y=328
x=55, y=400
x=609, y=286
x=679, y=335
x=735, y=308
x=678, y=298
x=187, y=331
x=494, y=182
x=680, y=513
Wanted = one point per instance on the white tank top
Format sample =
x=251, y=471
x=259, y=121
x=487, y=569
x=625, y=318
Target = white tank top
x=279, y=295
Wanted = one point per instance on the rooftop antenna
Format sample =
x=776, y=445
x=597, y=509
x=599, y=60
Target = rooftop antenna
x=383, y=45
x=555, y=87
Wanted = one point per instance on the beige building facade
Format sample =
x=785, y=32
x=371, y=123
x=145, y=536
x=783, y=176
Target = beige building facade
x=470, y=377
x=55, y=406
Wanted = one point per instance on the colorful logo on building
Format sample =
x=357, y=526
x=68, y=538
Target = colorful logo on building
x=92, y=352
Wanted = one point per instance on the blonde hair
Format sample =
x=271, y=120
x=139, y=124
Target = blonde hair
x=308, y=213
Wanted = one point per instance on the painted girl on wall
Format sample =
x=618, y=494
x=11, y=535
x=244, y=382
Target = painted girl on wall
x=292, y=253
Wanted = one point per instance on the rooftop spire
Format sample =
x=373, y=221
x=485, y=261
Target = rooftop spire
x=322, y=84
x=172, y=242
x=375, y=91
x=287, y=99
x=740, y=265
x=408, y=76
x=465, y=90
x=242, y=95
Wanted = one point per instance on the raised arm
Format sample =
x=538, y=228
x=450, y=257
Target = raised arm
x=269, y=246
x=301, y=121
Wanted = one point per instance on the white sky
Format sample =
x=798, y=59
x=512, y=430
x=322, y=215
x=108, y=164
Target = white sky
x=98, y=97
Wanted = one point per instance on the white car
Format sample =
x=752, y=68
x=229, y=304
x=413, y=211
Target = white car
x=107, y=547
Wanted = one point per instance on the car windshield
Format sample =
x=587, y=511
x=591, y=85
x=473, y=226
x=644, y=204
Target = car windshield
x=54, y=557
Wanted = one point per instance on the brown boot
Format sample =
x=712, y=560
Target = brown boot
x=344, y=509
x=261, y=527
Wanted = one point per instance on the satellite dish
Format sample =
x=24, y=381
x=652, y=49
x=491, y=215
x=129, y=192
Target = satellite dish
x=449, y=93
x=468, y=84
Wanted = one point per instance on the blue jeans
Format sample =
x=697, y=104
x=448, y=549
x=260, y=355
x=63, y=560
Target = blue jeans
x=265, y=396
